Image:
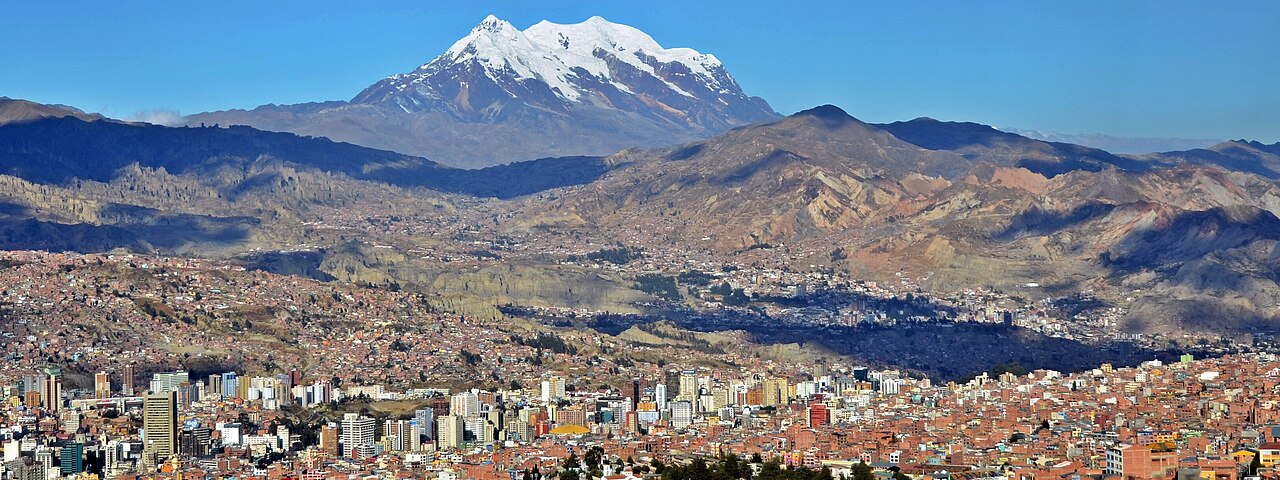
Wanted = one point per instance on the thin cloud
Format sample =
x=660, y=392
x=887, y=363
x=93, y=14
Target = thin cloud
x=157, y=117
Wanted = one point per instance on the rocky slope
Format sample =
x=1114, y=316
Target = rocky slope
x=1184, y=247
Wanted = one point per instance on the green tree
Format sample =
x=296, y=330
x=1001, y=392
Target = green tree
x=772, y=470
x=862, y=471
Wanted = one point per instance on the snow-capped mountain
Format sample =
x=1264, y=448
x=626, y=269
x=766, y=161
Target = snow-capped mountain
x=501, y=94
x=558, y=68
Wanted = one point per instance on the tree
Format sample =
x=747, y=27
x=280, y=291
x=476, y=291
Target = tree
x=658, y=466
x=594, y=457
x=862, y=471
x=730, y=467
x=898, y=475
x=698, y=470
x=755, y=458
x=772, y=470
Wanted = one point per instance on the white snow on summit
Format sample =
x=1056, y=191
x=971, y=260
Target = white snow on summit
x=553, y=53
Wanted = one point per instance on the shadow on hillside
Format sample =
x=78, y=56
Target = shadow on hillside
x=135, y=229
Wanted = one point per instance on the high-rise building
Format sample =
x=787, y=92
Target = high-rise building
x=357, y=431
x=168, y=381
x=195, y=442
x=26, y=468
x=71, y=458
x=688, y=384
x=777, y=391
x=449, y=433
x=681, y=413
x=400, y=435
x=101, y=386
x=126, y=380
x=51, y=389
x=465, y=404
x=160, y=427
x=635, y=392
x=230, y=385
x=213, y=389
x=818, y=415
x=329, y=439
x=424, y=424
x=660, y=395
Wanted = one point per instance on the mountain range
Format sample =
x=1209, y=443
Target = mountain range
x=500, y=95
x=1183, y=240
x=593, y=132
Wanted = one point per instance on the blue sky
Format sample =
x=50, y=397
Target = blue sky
x=1158, y=68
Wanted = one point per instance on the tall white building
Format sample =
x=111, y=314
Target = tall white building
x=465, y=404
x=168, y=381
x=356, y=431
x=681, y=413
x=424, y=424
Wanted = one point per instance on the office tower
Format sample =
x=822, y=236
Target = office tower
x=126, y=380
x=51, y=389
x=111, y=458
x=465, y=404
x=195, y=442
x=101, y=386
x=635, y=393
x=424, y=424
x=168, y=381
x=449, y=433
x=688, y=384
x=818, y=415
x=356, y=431
x=230, y=385
x=681, y=414
x=71, y=458
x=400, y=435
x=160, y=427
x=660, y=396
x=329, y=439
x=632, y=422
x=440, y=406
x=776, y=391
x=213, y=388
x=25, y=468
x=71, y=421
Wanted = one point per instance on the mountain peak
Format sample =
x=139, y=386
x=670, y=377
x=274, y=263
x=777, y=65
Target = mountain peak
x=598, y=79
x=492, y=23
x=830, y=115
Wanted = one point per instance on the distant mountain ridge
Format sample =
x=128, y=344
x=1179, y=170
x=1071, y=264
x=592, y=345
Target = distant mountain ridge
x=500, y=94
x=1117, y=144
x=17, y=110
